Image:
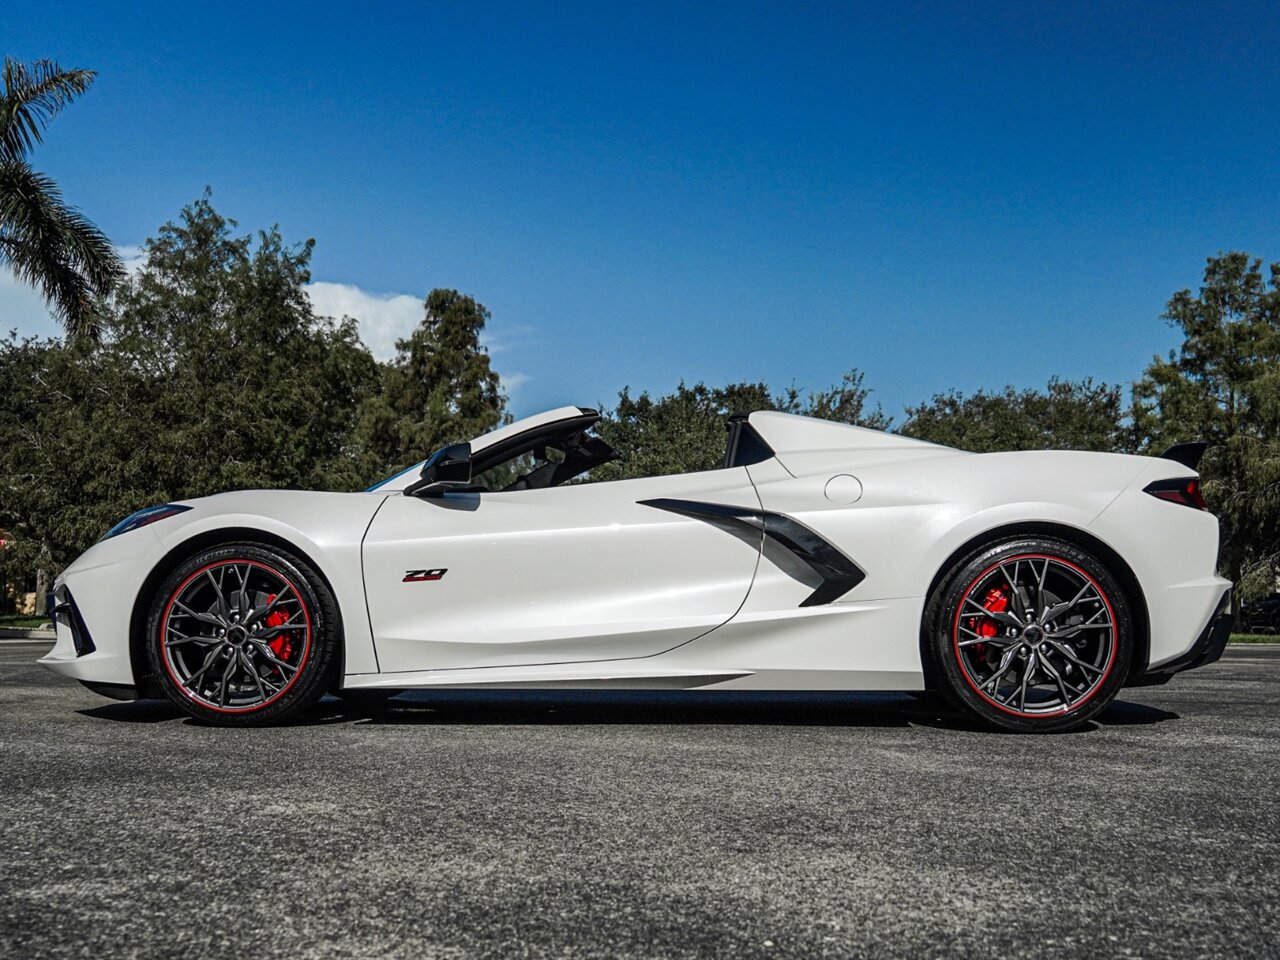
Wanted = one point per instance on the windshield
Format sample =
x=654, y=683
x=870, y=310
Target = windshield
x=407, y=471
x=545, y=462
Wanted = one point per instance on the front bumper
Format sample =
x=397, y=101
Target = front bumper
x=92, y=603
x=1208, y=648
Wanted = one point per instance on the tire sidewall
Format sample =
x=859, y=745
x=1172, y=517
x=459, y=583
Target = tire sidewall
x=315, y=674
x=946, y=673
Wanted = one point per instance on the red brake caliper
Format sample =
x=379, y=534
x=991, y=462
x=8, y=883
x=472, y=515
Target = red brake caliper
x=279, y=644
x=997, y=601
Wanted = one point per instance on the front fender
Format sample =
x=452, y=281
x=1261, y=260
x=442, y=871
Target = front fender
x=328, y=528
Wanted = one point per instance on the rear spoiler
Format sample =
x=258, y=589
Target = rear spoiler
x=1188, y=454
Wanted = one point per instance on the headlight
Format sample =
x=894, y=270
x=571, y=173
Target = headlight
x=143, y=517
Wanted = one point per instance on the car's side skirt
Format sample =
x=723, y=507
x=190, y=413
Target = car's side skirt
x=636, y=676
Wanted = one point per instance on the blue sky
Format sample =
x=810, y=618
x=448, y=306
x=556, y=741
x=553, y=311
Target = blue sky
x=943, y=195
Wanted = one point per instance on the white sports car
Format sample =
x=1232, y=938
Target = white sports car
x=1027, y=588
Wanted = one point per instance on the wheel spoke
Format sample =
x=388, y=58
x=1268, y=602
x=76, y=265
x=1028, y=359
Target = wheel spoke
x=256, y=614
x=1044, y=572
x=265, y=652
x=272, y=631
x=180, y=639
x=224, y=610
x=1006, y=662
x=226, y=678
x=1062, y=649
x=1019, y=607
x=1031, y=661
x=1073, y=629
x=1017, y=590
x=228, y=672
x=185, y=611
x=208, y=662
x=1062, y=684
x=253, y=672
x=1053, y=613
x=994, y=641
x=999, y=615
x=243, y=607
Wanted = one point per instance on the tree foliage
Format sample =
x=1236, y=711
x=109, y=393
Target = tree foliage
x=439, y=389
x=684, y=431
x=1223, y=386
x=845, y=403
x=1067, y=415
x=213, y=374
x=45, y=242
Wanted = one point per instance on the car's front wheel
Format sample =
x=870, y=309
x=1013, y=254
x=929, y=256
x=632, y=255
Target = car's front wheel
x=1033, y=634
x=243, y=634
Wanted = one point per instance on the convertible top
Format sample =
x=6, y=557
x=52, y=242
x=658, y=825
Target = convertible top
x=517, y=427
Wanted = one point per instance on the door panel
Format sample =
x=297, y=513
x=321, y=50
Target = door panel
x=571, y=573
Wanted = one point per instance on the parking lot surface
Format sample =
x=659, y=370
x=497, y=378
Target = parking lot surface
x=670, y=825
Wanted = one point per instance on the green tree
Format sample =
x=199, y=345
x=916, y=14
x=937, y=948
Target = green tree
x=212, y=374
x=1067, y=415
x=846, y=403
x=45, y=242
x=1223, y=386
x=684, y=431
x=439, y=389
x=681, y=432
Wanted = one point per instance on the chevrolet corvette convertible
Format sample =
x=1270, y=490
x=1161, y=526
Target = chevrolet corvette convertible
x=1025, y=588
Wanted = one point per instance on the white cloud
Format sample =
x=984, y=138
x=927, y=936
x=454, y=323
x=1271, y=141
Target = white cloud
x=512, y=382
x=383, y=318
x=23, y=309
x=135, y=258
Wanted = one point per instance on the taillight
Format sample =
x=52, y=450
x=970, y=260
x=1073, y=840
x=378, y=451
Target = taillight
x=1185, y=491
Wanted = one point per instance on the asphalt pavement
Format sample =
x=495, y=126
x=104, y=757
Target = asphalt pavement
x=623, y=825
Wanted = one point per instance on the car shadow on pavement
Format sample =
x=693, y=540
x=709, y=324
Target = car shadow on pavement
x=574, y=708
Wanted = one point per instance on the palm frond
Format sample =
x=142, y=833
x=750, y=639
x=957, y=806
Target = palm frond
x=33, y=95
x=55, y=248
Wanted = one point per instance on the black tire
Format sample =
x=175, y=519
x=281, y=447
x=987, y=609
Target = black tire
x=970, y=655
x=259, y=672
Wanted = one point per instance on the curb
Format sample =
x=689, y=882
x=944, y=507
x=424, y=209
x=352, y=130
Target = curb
x=37, y=634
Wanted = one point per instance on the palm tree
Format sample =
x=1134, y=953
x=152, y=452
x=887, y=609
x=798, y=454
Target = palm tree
x=45, y=242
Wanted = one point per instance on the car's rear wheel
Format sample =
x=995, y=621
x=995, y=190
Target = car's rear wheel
x=1032, y=634
x=243, y=634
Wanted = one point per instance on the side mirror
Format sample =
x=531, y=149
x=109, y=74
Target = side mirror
x=451, y=464
x=449, y=468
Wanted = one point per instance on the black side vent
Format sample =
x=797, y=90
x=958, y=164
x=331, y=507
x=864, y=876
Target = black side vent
x=839, y=574
x=63, y=610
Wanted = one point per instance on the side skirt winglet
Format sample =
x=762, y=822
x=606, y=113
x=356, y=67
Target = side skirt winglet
x=839, y=574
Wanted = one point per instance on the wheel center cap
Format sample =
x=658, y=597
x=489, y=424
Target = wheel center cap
x=1033, y=634
x=237, y=634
